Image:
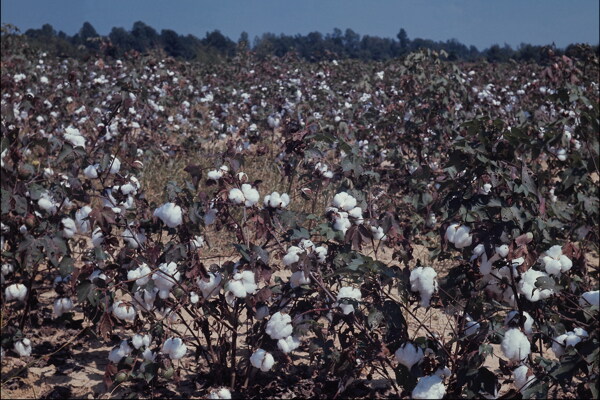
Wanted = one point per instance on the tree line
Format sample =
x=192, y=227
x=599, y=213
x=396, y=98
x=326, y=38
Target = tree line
x=313, y=46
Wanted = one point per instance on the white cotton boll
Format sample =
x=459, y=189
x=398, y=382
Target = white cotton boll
x=236, y=196
x=16, y=291
x=292, y=255
x=262, y=360
x=555, y=261
x=211, y=287
x=512, y=319
x=378, y=233
x=7, y=269
x=133, y=239
x=73, y=136
x=321, y=253
x=141, y=274
x=351, y=293
x=341, y=222
x=344, y=201
x=215, y=175
x=62, y=306
x=250, y=194
x=196, y=243
x=165, y=278
x=279, y=326
x=588, y=299
x=275, y=200
x=422, y=280
x=124, y=311
x=47, y=204
x=91, y=171
x=451, y=232
x=97, y=237
x=502, y=251
x=356, y=213
x=146, y=297
x=571, y=338
x=288, y=344
x=174, y=348
x=429, y=387
x=115, y=165
x=149, y=355
x=222, y=393
x=462, y=238
x=83, y=225
x=520, y=378
x=249, y=282
x=408, y=355
x=561, y=154
x=486, y=188
x=69, y=227
x=23, y=347
x=528, y=289
x=515, y=345
x=298, y=278
x=170, y=214
x=471, y=327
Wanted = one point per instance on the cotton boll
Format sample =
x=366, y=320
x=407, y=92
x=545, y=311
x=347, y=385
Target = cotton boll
x=408, y=355
x=462, y=238
x=73, y=136
x=214, y=175
x=23, y=347
x=429, y=387
x=571, y=338
x=478, y=251
x=515, y=345
x=149, y=355
x=378, y=233
x=138, y=340
x=588, y=299
x=261, y=312
x=344, y=201
x=502, y=251
x=528, y=289
x=124, y=311
x=146, y=297
x=91, y=171
x=471, y=327
x=236, y=196
x=211, y=287
x=451, y=232
x=222, y=393
x=97, y=237
x=62, y=306
x=512, y=320
x=174, y=348
x=288, y=344
x=422, y=280
x=16, y=291
x=82, y=224
x=133, y=239
x=197, y=243
x=298, y=278
x=141, y=274
x=341, y=222
x=69, y=227
x=321, y=252
x=279, y=326
x=521, y=380
x=115, y=165
x=555, y=261
x=170, y=214
x=262, y=360
x=165, y=278
x=351, y=293
x=250, y=194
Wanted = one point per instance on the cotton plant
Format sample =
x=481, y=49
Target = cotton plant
x=515, y=345
x=15, y=292
x=304, y=247
x=62, y=305
x=423, y=280
x=429, y=387
x=211, y=286
x=23, y=347
x=279, y=326
x=165, y=278
x=124, y=311
x=240, y=285
x=276, y=200
x=175, y=348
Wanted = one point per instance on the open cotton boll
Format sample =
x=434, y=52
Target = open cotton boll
x=23, y=347
x=378, y=233
x=555, y=262
x=211, y=287
x=47, y=203
x=69, y=227
x=588, y=299
x=502, y=251
x=528, y=289
x=241, y=284
x=118, y=353
x=341, y=222
x=165, y=278
x=429, y=387
x=148, y=355
x=471, y=327
x=279, y=326
x=133, y=239
x=356, y=213
x=344, y=201
x=459, y=235
x=422, y=280
x=515, y=345
x=275, y=200
x=170, y=214
x=73, y=136
x=571, y=338
x=138, y=340
x=214, y=175
x=222, y=393
x=321, y=252
x=236, y=196
x=62, y=306
x=262, y=360
x=299, y=278
x=521, y=380
x=174, y=348
x=141, y=274
x=197, y=242
x=124, y=311
x=288, y=344
x=408, y=355
x=97, y=237
x=16, y=291
x=477, y=251
x=350, y=293
x=91, y=171
x=251, y=195
x=512, y=320
x=115, y=165
x=82, y=224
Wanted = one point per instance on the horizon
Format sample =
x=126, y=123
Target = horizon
x=467, y=21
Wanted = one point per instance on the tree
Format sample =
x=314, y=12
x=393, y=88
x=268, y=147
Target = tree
x=403, y=41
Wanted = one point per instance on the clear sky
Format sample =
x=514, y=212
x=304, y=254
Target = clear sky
x=473, y=22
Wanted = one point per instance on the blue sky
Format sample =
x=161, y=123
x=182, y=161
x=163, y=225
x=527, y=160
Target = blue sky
x=480, y=23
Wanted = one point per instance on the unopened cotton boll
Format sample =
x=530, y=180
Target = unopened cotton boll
x=124, y=311
x=262, y=360
x=174, y=348
x=521, y=378
x=279, y=326
x=429, y=387
x=222, y=393
x=288, y=344
x=408, y=355
x=350, y=293
x=528, y=289
x=555, y=261
x=16, y=291
x=515, y=345
x=62, y=306
x=299, y=278
x=512, y=320
x=588, y=299
x=23, y=347
x=170, y=214
x=211, y=287
x=422, y=280
x=118, y=353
